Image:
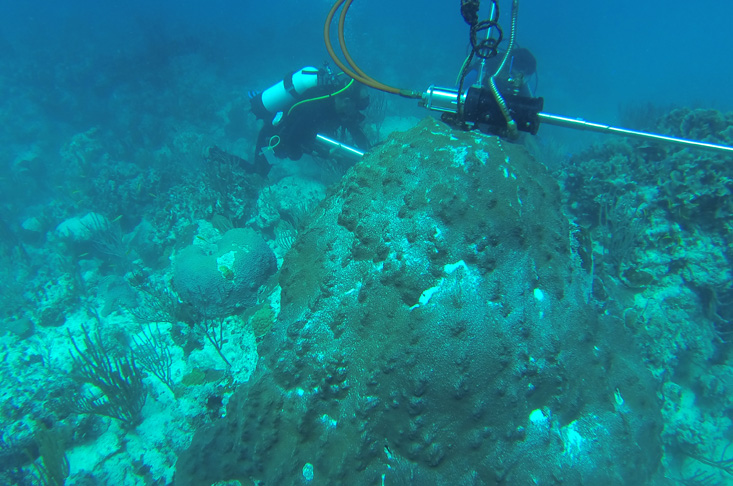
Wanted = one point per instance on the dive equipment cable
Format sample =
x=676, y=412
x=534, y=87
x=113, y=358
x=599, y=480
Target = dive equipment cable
x=481, y=107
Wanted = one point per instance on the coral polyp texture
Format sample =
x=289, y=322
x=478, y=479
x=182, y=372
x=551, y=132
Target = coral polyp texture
x=220, y=277
x=435, y=328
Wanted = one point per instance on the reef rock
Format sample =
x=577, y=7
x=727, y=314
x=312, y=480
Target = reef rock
x=435, y=330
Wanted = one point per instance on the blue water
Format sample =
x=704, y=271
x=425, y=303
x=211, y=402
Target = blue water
x=593, y=57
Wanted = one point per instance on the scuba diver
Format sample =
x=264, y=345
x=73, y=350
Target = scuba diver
x=513, y=79
x=497, y=97
x=298, y=110
x=482, y=105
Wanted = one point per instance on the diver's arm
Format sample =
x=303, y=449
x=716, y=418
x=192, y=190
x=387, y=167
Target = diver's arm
x=259, y=164
x=357, y=134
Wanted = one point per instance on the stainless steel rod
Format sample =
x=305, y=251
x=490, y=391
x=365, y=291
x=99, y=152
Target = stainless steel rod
x=580, y=124
x=332, y=144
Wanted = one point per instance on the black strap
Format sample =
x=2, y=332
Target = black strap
x=469, y=11
x=288, y=84
x=484, y=48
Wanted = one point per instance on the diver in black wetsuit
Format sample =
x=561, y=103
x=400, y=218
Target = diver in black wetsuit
x=308, y=102
x=514, y=76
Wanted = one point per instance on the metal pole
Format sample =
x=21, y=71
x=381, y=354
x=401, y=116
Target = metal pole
x=580, y=124
x=344, y=149
x=480, y=80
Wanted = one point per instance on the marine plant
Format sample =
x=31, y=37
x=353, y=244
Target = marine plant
x=52, y=468
x=118, y=380
x=154, y=354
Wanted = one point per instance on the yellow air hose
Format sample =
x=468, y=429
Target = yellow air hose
x=353, y=69
x=512, y=131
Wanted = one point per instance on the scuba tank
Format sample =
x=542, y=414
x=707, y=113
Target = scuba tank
x=272, y=102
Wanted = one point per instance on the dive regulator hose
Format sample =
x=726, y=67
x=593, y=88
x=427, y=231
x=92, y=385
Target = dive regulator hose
x=353, y=69
x=510, y=123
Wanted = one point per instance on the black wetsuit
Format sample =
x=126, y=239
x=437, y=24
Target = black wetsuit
x=525, y=66
x=297, y=130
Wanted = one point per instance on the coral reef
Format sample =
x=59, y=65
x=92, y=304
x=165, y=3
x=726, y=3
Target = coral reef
x=656, y=230
x=220, y=277
x=438, y=318
x=434, y=329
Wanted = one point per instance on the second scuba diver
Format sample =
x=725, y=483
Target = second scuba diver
x=306, y=103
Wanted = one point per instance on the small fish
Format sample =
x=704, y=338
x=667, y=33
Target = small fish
x=202, y=238
x=117, y=218
x=84, y=254
x=154, y=196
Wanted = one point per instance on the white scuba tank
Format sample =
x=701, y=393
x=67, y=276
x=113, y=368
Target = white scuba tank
x=279, y=97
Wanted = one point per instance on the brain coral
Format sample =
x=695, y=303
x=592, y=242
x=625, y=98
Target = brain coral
x=226, y=277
